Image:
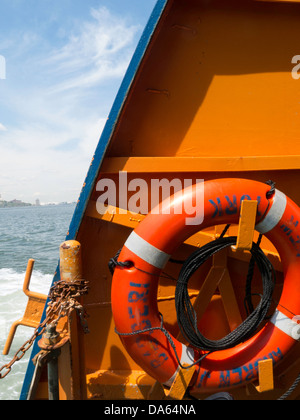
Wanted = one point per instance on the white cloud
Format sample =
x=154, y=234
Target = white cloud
x=98, y=51
x=36, y=159
x=58, y=114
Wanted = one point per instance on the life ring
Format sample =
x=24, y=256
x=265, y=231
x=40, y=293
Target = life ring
x=149, y=247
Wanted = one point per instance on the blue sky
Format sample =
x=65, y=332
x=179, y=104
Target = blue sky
x=65, y=60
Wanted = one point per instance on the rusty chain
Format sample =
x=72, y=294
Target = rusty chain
x=62, y=300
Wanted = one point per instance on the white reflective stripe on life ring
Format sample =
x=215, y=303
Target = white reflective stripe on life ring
x=275, y=214
x=187, y=357
x=286, y=325
x=146, y=251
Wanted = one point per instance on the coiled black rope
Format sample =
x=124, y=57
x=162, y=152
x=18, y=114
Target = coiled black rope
x=186, y=315
x=248, y=289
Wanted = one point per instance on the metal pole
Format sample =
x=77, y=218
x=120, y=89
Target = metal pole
x=51, y=338
x=53, y=387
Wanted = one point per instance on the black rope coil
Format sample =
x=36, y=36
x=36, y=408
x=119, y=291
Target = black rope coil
x=186, y=315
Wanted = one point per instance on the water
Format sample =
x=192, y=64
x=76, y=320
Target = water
x=27, y=232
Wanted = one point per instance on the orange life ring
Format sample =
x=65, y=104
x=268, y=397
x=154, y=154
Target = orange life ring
x=149, y=247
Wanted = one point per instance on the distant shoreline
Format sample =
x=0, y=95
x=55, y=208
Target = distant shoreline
x=18, y=203
x=13, y=203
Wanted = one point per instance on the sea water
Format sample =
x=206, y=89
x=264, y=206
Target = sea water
x=26, y=232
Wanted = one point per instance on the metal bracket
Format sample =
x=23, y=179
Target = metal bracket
x=40, y=360
x=247, y=225
x=265, y=376
x=33, y=312
x=178, y=388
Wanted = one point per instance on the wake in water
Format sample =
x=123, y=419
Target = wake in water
x=13, y=303
x=26, y=232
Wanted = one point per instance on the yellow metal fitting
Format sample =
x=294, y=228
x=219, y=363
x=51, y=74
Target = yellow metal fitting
x=181, y=383
x=70, y=261
x=265, y=375
x=33, y=311
x=247, y=225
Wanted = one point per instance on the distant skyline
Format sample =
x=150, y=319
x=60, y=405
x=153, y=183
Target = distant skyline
x=64, y=62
